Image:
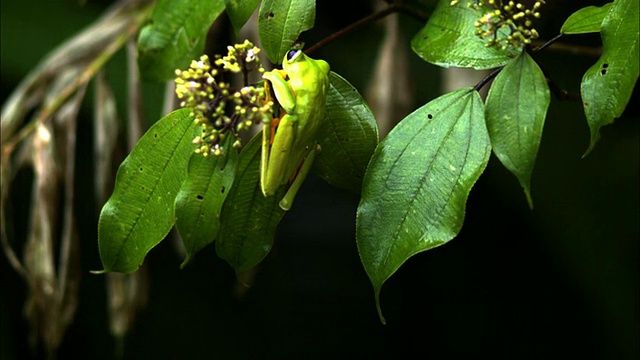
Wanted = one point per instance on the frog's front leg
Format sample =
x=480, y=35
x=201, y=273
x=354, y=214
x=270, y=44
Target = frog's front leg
x=282, y=90
x=288, y=198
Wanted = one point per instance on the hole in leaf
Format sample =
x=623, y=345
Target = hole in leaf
x=605, y=65
x=430, y=116
x=222, y=190
x=199, y=197
x=269, y=15
x=140, y=169
x=603, y=72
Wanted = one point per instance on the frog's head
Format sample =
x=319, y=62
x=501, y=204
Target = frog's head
x=298, y=66
x=294, y=56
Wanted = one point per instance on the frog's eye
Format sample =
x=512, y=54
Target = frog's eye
x=292, y=55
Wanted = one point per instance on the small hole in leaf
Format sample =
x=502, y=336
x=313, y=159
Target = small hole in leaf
x=140, y=169
x=269, y=15
x=222, y=190
x=605, y=65
x=603, y=72
x=155, y=135
x=200, y=197
x=430, y=116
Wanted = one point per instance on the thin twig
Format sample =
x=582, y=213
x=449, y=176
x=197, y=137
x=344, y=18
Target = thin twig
x=68, y=230
x=552, y=45
x=559, y=93
x=546, y=44
x=487, y=78
x=89, y=72
x=4, y=240
x=86, y=75
x=393, y=8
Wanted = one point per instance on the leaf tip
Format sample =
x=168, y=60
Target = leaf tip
x=527, y=193
x=592, y=144
x=379, y=308
x=184, y=263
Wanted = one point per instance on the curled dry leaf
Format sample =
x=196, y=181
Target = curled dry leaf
x=51, y=254
x=39, y=251
x=53, y=288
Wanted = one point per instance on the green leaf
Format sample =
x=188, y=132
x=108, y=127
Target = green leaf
x=586, y=20
x=417, y=183
x=348, y=137
x=239, y=11
x=199, y=202
x=281, y=22
x=607, y=86
x=248, y=220
x=449, y=39
x=140, y=212
x=175, y=35
x=515, y=111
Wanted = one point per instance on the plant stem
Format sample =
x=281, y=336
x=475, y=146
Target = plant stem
x=559, y=93
x=394, y=7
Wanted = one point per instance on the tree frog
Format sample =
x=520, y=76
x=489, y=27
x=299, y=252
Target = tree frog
x=289, y=141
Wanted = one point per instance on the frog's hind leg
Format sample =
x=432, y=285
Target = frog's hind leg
x=287, y=200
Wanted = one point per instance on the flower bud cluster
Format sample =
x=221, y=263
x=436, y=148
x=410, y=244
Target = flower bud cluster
x=505, y=24
x=215, y=105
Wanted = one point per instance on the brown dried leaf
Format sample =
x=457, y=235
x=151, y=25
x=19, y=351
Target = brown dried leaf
x=105, y=134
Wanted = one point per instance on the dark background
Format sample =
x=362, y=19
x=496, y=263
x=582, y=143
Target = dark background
x=558, y=281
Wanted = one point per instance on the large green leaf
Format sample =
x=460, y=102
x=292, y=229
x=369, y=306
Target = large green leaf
x=140, y=212
x=281, y=22
x=416, y=186
x=248, y=220
x=239, y=11
x=586, y=20
x=449, y=39
x=607, y=86
x=199, y=202
x=175, y=35
x=348, y=138
x=515, y=111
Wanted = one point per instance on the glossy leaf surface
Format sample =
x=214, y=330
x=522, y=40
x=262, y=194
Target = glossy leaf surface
x=348, y=137
x=201, y=196
x=281, y=22
x=175, y=36
x=586, y=20
x=140, y=212
x=417, y=183
x=239, y=11
x=607, y=86
x=515, y=111
x=248, y=219
x=449, y=39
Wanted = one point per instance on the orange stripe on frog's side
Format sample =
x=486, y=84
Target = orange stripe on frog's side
x=273, y=127
x=275, y=121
